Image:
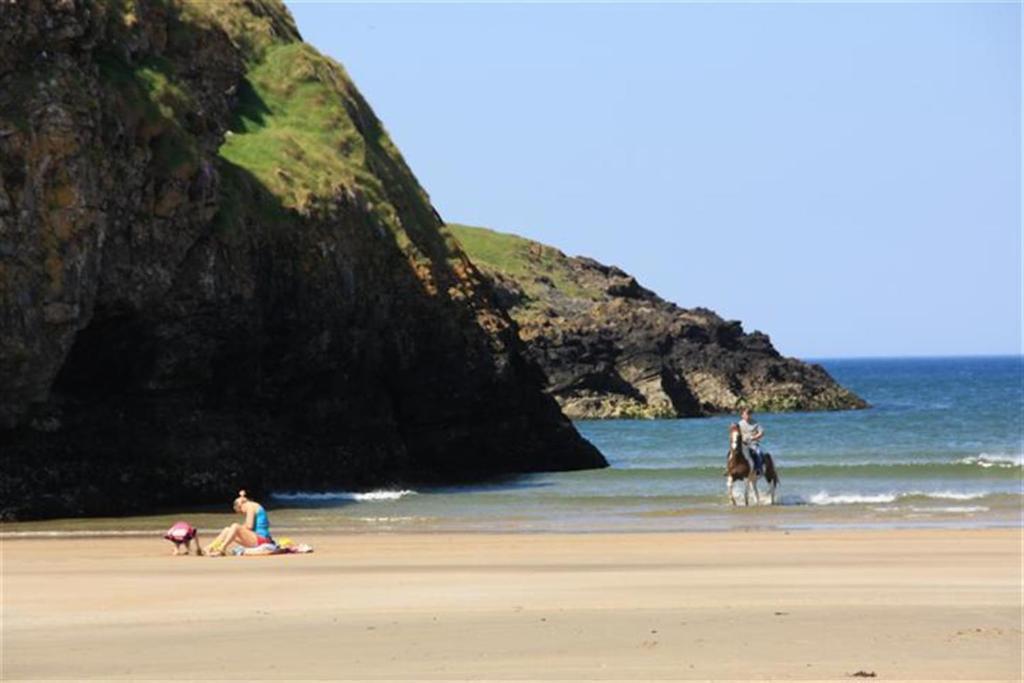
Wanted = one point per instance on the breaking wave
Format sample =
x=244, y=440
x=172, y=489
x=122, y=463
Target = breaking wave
x=987, y=460
x=340, y=496
x=826, y=498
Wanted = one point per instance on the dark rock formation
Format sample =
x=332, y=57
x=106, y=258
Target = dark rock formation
x=217, y=271
x=611, y=348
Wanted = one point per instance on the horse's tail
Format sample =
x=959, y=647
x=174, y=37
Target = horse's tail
x=770, y=473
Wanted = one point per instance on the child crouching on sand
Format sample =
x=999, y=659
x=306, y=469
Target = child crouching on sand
x=183, y=535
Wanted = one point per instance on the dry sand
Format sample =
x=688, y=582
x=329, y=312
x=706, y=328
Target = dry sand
x=920, y=604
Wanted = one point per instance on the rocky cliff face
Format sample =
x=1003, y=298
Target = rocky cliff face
x=611, y=348
x=217, y=271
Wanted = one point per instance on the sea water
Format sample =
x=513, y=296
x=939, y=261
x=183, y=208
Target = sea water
x=940, y=446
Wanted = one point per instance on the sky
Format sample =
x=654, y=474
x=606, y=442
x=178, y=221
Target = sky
x=843, y=177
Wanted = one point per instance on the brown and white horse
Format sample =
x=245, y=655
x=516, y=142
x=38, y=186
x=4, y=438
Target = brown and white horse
x=738, y=468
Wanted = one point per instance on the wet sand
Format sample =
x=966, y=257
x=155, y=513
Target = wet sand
x=903, y=604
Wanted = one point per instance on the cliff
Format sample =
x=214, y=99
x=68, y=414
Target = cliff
x=217, y=271
x=611, y=348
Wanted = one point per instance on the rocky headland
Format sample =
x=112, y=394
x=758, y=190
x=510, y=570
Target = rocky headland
x=611, y=348
x=216, y=271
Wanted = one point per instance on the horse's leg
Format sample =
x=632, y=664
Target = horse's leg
x=728, y=489
x=775, y=477
x=753, y=485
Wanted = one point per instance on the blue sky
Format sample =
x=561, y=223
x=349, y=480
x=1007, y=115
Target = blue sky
x=843, y=177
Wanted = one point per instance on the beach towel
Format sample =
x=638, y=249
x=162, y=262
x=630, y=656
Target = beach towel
x=285, y=546
x=262, y=549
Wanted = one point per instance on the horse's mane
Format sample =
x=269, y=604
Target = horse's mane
x=735, y=451
x=739, y=434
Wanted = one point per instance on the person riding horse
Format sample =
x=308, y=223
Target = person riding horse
x=739, y=466
x=752, y=435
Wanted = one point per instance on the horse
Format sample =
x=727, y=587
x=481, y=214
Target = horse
x=738, y=468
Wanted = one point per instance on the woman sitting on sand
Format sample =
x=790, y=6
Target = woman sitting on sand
x=253, y=532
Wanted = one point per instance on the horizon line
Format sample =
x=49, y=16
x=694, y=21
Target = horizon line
x=952, y=356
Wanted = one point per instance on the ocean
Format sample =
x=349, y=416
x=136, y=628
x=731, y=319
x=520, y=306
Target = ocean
x=941, y=446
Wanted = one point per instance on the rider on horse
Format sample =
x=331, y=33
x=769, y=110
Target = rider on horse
x=752, y=435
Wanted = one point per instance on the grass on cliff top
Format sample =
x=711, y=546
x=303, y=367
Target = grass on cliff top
x=295, y=125
x=523, y=260
x=294, y=131
x=300, y=129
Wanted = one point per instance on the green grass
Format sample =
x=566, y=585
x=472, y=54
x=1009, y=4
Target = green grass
x=290, y=132
x=293, y=130
x=300, y=129
x=520, y=259
x=149, y=95
x=494, y=250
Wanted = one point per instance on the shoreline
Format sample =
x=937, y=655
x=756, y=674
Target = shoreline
x=852, y=527
x=387, y=518
x=814, y=604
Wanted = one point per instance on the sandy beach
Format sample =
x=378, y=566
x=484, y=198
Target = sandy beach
x=902, y=604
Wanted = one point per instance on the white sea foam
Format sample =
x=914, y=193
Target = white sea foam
x=952, y=509
x=826, y=498
x=384, y=495
x=362, y=497
x=948, y=495
x=987, y=460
